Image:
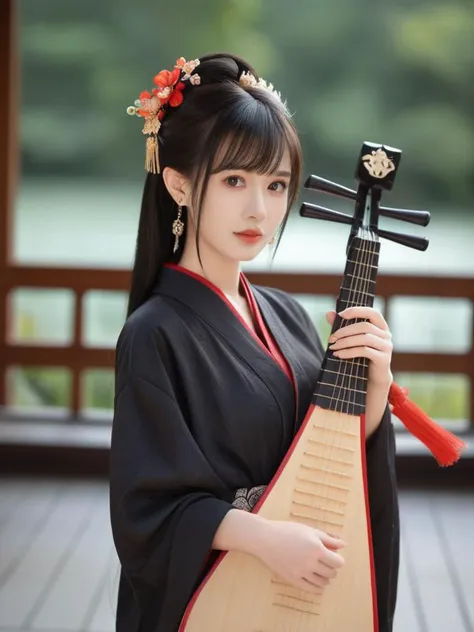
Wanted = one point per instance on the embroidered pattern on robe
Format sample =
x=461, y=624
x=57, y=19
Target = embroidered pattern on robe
x=247, y=497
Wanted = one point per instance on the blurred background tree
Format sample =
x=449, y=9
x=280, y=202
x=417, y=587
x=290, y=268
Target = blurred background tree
x=400, y=73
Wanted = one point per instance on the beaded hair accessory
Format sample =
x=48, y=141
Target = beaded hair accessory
x=247, y=80
x=152, y=106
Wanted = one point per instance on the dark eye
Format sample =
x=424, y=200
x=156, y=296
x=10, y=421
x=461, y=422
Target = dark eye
x=233, y=181
x=274, y=186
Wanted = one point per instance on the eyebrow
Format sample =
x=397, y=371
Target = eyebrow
x=285, y=174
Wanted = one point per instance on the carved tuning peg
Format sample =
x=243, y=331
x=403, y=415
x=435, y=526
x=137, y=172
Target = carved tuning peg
x=321, y=212
x=421, y=218
x=412, y=241
x=316, y=183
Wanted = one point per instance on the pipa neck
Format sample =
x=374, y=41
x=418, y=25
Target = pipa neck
x=342, y=384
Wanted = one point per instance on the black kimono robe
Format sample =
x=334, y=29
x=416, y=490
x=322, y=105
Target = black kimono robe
x=201, y=410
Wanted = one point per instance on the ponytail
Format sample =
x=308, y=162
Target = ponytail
x=154, y=246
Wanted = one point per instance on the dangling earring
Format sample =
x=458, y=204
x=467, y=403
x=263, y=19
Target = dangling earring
x=178, y=227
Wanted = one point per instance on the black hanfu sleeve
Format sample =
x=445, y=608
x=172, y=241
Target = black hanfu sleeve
x=384, y=513
x=164, y=498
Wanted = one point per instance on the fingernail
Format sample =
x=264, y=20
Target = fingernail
x=332, y=339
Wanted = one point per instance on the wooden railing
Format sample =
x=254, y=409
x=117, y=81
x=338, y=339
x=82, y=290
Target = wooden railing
x=78, y=358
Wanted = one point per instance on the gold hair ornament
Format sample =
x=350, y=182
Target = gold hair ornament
x=247, y=80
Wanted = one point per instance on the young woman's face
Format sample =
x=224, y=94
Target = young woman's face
x=242, y=211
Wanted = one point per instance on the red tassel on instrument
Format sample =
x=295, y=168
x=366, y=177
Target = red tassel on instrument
x=444, y=445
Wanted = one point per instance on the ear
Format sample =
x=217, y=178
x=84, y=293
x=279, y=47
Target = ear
x=179, y=187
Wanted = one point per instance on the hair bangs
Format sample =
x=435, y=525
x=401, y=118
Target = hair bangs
x=255, y=141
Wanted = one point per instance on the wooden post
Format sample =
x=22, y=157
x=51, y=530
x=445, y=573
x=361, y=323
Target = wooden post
x=8, y=163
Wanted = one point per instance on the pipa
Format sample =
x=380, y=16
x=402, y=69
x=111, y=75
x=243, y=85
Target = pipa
x=322, y=480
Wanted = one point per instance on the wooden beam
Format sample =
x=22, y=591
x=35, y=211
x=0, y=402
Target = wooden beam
x=74, y=357
x=9, y=71
x=77, y=358
x=388, y=285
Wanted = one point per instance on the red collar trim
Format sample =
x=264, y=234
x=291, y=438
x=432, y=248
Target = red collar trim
x=274, y=350
x=270, y=348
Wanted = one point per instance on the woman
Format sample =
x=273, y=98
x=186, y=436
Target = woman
x=214, y=376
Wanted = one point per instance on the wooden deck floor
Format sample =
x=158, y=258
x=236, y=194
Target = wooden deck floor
x=59, y=572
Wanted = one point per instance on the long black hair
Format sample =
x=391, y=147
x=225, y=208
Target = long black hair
x=220, y=125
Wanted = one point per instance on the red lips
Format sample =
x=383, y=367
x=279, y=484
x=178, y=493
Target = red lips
x=251, y=233
x=250, y=236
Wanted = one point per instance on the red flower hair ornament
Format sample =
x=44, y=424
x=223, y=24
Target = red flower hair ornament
x=152, y=105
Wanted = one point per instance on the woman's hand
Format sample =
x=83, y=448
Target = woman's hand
x=371, y=339
x=300, y=555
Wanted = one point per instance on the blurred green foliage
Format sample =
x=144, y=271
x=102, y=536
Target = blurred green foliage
x=98, y=389
x=400, y=73
x=38, y=387
x=441, y=396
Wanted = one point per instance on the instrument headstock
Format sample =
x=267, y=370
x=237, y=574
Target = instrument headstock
x=376, y=170
x=377, y=166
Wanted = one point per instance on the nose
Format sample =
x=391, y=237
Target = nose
x=256, y=208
